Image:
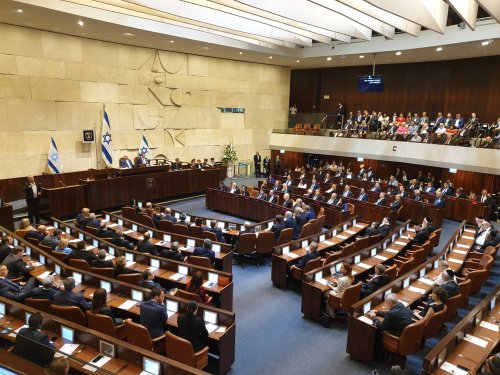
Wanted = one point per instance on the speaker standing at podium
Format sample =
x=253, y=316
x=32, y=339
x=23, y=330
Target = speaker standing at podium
x=257, y=160
x=33, y=191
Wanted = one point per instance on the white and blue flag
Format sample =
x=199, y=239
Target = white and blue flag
x=144, y=148
x=106, y=141
x=54, y=161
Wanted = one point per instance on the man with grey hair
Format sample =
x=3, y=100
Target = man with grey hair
x=101, y=261
x=312, y=253
x=205, y=251
x=376, y=282
x=300, y=217
x=173, y=253
x=46, y=291
x=287, y=202
x=69, y=298
x=290, y=222
x=298, y=202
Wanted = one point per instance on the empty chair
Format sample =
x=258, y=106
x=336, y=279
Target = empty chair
x=129, y=213
x=72, y=313
x=254, y=193
x=405, y=266
x=374, y=239
x=91, y=230
x=298, y=273
x=452, y=306
x=436, y=238
x=210, y=235
x=166, y=226
x=464, y=287
x=313, y=223
x=316, y=129
x=107, y=271
x=307, y=129
x=182, y=351
x=188, y=295
x=349, y=298
x=285, y=236
x=392, y=272
x=475, y=256
x=245, y=247
x=195, y=231
x=180, y=229
x=58, y=255
x=39, y=304
x=132, y=278
x=318, y=229
x=80, y=264
x=148, y=221
x=485, y=263
x=361, y=243
x=348, y=249
x=351, y=208
x=408, y=343
x=306, y=230
x=103, y=323
x=299, y=129
x=139, y=335
x=321, y=212
x=264, y=246
x=332, y=257
x=200, y=261
x=477, y=278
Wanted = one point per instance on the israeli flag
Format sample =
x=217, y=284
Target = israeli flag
x=54, y=161
x=106, y=142
x=144, y=148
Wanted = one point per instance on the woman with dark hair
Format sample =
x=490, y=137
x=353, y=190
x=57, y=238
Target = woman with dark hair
x=192, y=327
x=100, y=306
x=439, y=297
x=196, y=286
x=244, y=191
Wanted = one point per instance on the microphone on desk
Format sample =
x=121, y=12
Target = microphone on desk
x=62, y=183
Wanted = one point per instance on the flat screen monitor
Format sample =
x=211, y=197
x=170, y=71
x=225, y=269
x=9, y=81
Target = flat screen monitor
x=366, y=307
x=344, y=227
x=188, y=219
x=150, y=233
x=120, y=222
x=177, y=215
x=370, y=84
x=221, y=224
x=305, y=243
x=210, y=317
x=2, y=308
x=107, y=349
x=167, y=238
x=139, y=204
x=134, y=227
x=68, y=230
x=322, y=238
x=81, y=237
x=137, y=295
x=373, y=252
x=155, y=263
x=422, y=272
x=406, y=282
x=67, y=333
x=357, y=259
x=95, y=242
x=41, y=259
x=151, y=367
x=213, y=277
x=285, y=250
x=108, y=218
x=78, y=277
x=111, y=250
x=56, y=224
x=191, y=242
x=27, y=318
x=172, y=305
x=16, y=242
x=216, y=247
x=106, y=285
x=318, y=275
x=129, y=257
x=57, y=269
x=27, y=250
x=183, y=270
x=354, y=222
x=337, y=267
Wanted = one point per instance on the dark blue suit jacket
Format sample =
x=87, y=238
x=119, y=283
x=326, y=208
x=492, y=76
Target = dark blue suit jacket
x=41, y=293
x=395, y=320
x=146, y=247
x=364, y=198
x=292, y=223
x=204, y=252
x=218, y=233
x=440, y=202
x=149, y=284
x=153, y=317
x=70, y=299
x=306, y=258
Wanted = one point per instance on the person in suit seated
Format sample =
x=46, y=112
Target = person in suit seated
x=69, y=298
x=447, y=190
x=459, y=193
x=120, y=241
x=235, y=189
x=277, y=186
x=101, y=261
x=173, y=253
x=443, y=266
x=6, y=246
x=93, y=222
x=429, y=188
x=182, y=220
x=125, y=162
x=148, y=280
x=176, y=165
x=311, y=253
x=338, y=288
x=373, y=230
x=168, y=216
x=290, y=222
x=12, y=290
x=192, y=327
x=32, y=344
x=121, y=267
x=396, y=319
x=449, y=283
x=47, y=291
x=38, y=234
x=381, y=200
x=52, y=241
x=141, y=160
x=314, y=185
x=384, y=227
x=487, y=143
x=16, y=265
x=347, y=192
x=396, y=204
x=376, y=282
x=244, y=191
x=417, y=196
x=153, y=314
x=317, y=196
x=440, y=201
x=287, y=202
x=422, y=234
x=333, y=189
x=218, y=232
x=300, y=217
x=376, y=188
x=205, y=251
x=81, y=253
x=262, y=196
x=362, y=195
x=308, y=211
x=334, y=200
x=401, y=191
x=104, y=232
x=145, y=245
x=99, y=306
x=195, y=286
x=278, y=227
x=83, y=218
x=271, y=198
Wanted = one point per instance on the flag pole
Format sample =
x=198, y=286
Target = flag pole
x=95, y=147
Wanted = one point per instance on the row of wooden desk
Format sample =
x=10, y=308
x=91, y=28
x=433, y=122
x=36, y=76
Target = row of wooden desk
x=222, y=344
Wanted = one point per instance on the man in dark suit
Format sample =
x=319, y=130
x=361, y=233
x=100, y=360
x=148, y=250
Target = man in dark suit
x=218, y=232
x=317, y=196
x=104, y=232
x=417, y=196
x=271, y=198
x=83, y=218
x=309, y=212
x=176, y=165
x=362, y=195
x=125, y=162
x=278, y=227
x=384, y=227
x=235, y=189
x=69, y=298
x=257, y=161
x=32, y=344
x=153, y=314
x=205, y=251
x=6, y=247
x=192, y=327
x=52, y=241
x=93, y=222
x=101, y=261
x=141, y=160
x=12, y=290
x=33, y=191
x=449, y=283
x=38, y=234
x=447, y=190
x=421, y=236
x=381, y=200
x=314, y=185
x=120, y=241
x=347, y=193
x=287, y=202
x=376, y=188
x=484, y=198
x=182, y=220
x=16, y=265
x=148, y=280
x=46, y=291
x=396, y=204
x=334, y=200
x=300, y=218
x=173, y=253
x=145, y=245
x=277, y=165
x=81, y=253
x=312, y=253
x=290, y=222
x=440, y=202
x=373, y=230
x=376, y=282
x=262, y=196
x=168, y=215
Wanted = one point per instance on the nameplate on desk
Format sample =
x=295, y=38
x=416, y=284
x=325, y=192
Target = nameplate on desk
x=468, y=237
x=460, y=251
x=403, y=237
x=44, y=275
x=490, y=326
x=453, y=260
x=452, y=369
x=411, y=230
x=130, y=263
x=359, y=226
x=322, y=281
x=365, y=319
x=416, y=290
x=476, y=341
x=341, y=236
x=350, y=231
x=292, y=255
x=426, y=281
x=176, y=276
x=392, y=251
x=400, y=243
x=112, y=225
x=462, y=245
x=329, y=243
x=363, y=265
x=128, y=231
x=74, y=240
x=127, y=304
x=470, y=230
x=380, y=257
x=221, y=329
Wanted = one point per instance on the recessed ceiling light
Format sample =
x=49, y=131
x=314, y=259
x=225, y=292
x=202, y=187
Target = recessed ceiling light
x=128, y=34
x=361, y=56
x=241, y=53
x=81, y=23
x=328, y=59
x=439, y=49
x=398, y=53
x=172, y=41
x=19, y=11
x=298, y=60
x=270, y=57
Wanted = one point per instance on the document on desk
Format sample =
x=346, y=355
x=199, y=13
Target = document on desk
x=112, y=225
x=322, y=281
x=359, y=226
x=426, y=281
x=43, y=275
x=68, y=348
x=127, y=304
x=209, y=284
x=416, y=290
x=452, y=369
x=463, y=245
x=128, y=231
x=365, y=319
x=221, y=329
x=459, y=251
x=17, y=330
x=109, y=257
x=363, y=265
x=403, y=237
x=183, y=248
x=400, y=243
x=476, y=341
x=130, y=264
x=350, y=231
x=410, y=230
x=89, y=247
x=211, y=327
x=490, y=326
x=394, y=251
x=35, y=264
x=292, y=255
x=176, y=276
x=93, y=366
x=468, y=237
x=453, y=260
x=341, y=236
x=381, y=257
x=74, y=240
x=470, y=230
x=329, y=243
